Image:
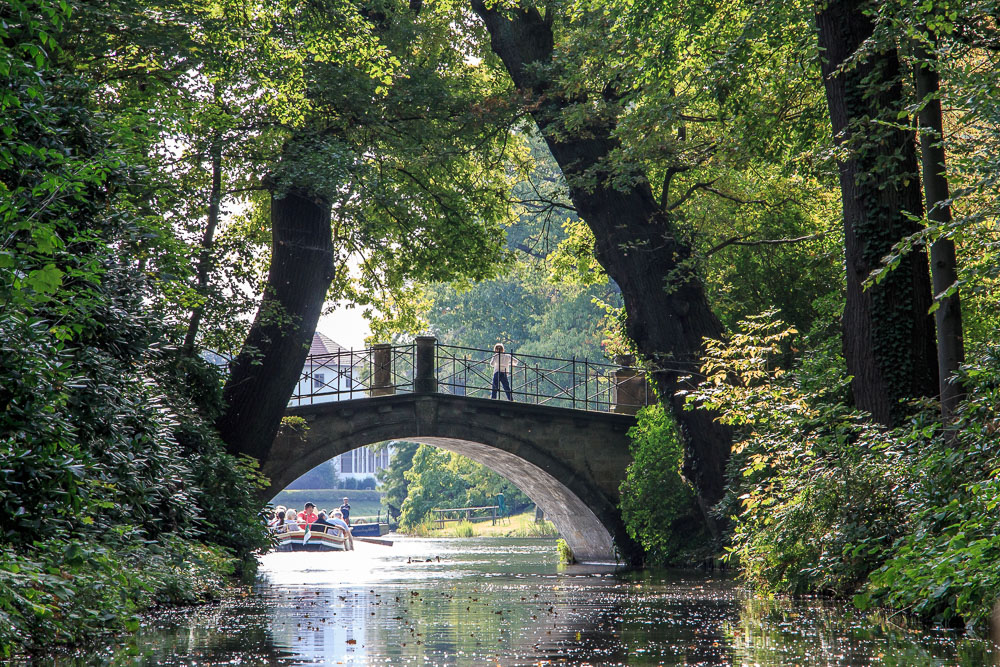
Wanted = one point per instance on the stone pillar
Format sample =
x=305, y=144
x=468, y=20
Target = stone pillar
x=382, y=384
x=630, y=387
x=424, y=379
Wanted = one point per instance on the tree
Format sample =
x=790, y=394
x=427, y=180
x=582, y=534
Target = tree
x=944, y=265
x=416, y=196
x=637, y=241
x=265, y=373
x=395, y=486
x=889, y=341
x=439, y=478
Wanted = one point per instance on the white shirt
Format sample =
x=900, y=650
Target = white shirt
x=502, y=361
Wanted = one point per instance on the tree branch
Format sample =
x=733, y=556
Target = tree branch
x=703, y=185
x=742, y=241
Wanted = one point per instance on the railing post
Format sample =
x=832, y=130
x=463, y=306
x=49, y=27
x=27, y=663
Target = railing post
x=382, y=370
x=572, y=381
x=629, y=392
x=425, y=379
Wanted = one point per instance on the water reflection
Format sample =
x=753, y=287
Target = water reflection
x=509, y=602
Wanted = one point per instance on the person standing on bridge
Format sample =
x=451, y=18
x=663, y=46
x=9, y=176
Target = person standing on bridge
x=502, y=363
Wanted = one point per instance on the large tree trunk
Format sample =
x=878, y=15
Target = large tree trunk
x=944, y=266
x=668, y=315
x=888, y=332
x=267, y=369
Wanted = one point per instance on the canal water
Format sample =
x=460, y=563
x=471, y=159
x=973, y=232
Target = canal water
x=509, y=602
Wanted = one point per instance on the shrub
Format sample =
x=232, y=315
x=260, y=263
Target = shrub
x=565, y=553
x=824, y=501
x=464, y=529
x=656, y=502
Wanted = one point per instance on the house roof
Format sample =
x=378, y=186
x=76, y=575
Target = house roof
x=323, y=344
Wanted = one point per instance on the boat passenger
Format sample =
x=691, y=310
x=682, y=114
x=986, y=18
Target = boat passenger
x=307, y=515
x=291, y=521
x=322, y=520
x=338, y=520
x=279, y=517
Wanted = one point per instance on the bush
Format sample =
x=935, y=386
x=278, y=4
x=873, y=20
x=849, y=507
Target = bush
x=464, y=529
x=657, y=504
x=944, y=567
x=105, y=444
x=565, y=553
x=826, y=502
x=809, y=489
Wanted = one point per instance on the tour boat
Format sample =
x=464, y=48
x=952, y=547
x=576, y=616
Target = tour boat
x=316, y=538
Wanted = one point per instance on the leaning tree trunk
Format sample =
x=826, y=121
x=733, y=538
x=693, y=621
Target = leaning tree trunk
x=267, y=369
x=668, y=315
x=944, y=265
x=888, y=332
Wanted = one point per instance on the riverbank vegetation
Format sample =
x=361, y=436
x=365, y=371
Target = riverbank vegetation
x=116, y=493
x=788, y=211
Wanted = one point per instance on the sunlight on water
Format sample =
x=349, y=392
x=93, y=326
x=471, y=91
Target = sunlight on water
x=509, y=602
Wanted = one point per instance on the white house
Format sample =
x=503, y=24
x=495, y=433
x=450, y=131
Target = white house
x=333, y=373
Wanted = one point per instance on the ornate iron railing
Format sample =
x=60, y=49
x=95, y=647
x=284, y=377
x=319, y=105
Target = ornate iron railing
x=349, y=374
x=580, y=384
x=463, y=371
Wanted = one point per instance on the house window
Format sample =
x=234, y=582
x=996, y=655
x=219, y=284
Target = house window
x=318, y=381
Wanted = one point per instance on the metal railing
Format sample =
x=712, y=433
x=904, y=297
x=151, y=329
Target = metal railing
x=579, y=384
x=348, y=374
x=572, y=383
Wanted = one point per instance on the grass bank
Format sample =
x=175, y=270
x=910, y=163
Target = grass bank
x=364, y=502
x=520, y=525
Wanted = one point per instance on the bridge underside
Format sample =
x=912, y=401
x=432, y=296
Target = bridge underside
x=579, y=526
x=570, y=463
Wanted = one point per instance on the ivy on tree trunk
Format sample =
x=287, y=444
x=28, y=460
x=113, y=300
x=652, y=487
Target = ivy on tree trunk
x=889, y=341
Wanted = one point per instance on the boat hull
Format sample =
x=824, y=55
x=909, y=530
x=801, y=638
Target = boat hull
x=315, y=540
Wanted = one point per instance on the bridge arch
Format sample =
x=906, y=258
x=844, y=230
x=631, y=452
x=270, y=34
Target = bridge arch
x=570, y=463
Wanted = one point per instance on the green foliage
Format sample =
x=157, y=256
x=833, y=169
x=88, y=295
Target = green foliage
x=812, y=496
x=64, y=591
x=656, y=502
x=395, y=485
x=115, y=494
x=943, y=567
x=464, y=529
x=826, y=502
x=441, y=479
x=565, y=553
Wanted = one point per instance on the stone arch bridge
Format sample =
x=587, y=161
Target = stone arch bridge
x=562, y=440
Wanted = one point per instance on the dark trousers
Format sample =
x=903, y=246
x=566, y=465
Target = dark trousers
x=500, y=378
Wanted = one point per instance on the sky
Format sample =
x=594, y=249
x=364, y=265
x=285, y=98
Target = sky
x=346, y=326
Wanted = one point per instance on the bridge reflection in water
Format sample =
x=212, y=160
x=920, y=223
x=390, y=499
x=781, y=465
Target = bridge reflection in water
x=563, y=440
x=426, y=365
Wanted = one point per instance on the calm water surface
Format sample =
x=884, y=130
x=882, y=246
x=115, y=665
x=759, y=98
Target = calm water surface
x=509, y=602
